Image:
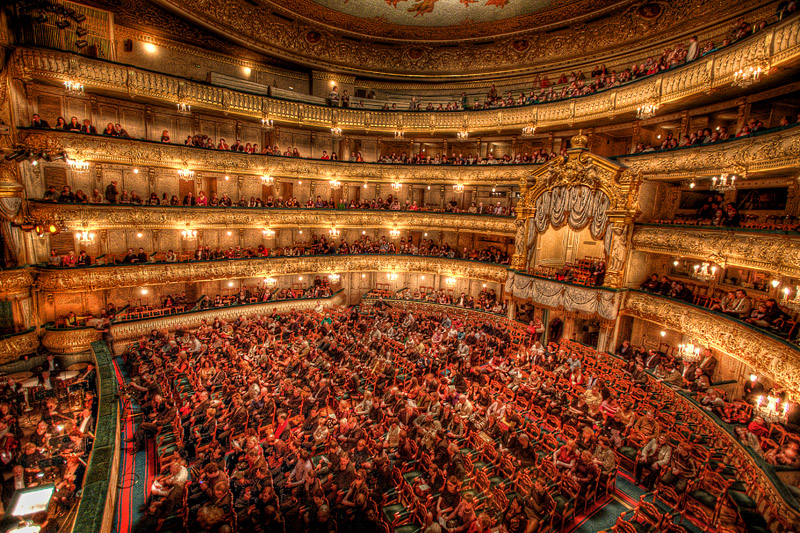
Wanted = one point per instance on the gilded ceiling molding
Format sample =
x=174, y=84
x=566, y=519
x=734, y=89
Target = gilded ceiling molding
x=519, y=41
x=15, y=281
x=772, y=151
x=11, y=348
x=112, y=150
x=127, y=331
x=764, y=354
x=69, y=340
x=92, y=217
x=113, y=277
x=762, y=251
x=777, y=44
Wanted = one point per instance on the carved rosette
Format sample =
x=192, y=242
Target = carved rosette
x=66, y=341
x=765, y=355
x=13, y=347
x=111, y=277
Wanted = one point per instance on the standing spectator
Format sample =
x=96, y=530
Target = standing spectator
x=112, y=192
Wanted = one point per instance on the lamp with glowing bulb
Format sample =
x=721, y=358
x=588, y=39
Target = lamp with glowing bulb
x=189, y=234
x=704, y=272
x=85, y=237
x=396, y=186
x=458, y=187
x=793, y=303
x=334, y=278
x=270, y=281
x=334, y=232
x=268, y=232
x=450, y=280
x=73, y=88
x=394, y=233
x=78, y=166
x=335, y=184
x=185, y=173
x=184, y=108
x=392, y=276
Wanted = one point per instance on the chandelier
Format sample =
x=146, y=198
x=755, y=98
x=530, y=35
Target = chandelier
x=744, y=77
x=266, y=123
x=85, y=237
x=270, y=282
x=529, y=130
x=704, y=272
x=458, y=187
x=399, y=135
x=268, y=232
x=267, y=180
x=185, y=173
x=189, y=234
x=723, y=183
x=772, y=411
x=335, y=184
x=394, y=233
x=794, y=303
x=688, y=352
x=392, y=276
x=334, y=278
x=334, y=232
x=184, y=108
x=645, y=111
x=336, y=132
x=397, y=185
x=73, y=88
x=462, y=135
x=78, y=166
x=450, y=281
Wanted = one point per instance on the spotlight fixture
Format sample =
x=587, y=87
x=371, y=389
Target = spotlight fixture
x=81, y=43
x=81, y=32
x=63, y=25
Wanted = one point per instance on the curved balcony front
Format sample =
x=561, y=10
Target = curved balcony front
x=117, y=216
x=94, y=278
x=773, y=251
x=762, y=351
x=778, y=45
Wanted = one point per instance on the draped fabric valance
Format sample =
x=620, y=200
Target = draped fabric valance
x=590, y=301
x=577, y=206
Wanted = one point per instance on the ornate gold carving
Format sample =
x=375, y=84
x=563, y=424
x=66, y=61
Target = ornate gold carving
x=774, y=253
x=11, y=348
x=774, y=151
x=74, y=340
x=15, y=281
x=103, y=216
x=694, y=79
x=588, y=301
x=765, y=355
x=111, y=277
x=110, y=150
x=126, y=331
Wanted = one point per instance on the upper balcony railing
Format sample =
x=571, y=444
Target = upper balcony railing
x=776, y=45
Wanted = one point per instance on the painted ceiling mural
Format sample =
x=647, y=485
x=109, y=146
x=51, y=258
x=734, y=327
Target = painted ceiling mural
x=436, y=12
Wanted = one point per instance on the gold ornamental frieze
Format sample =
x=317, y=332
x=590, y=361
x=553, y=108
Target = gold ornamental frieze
x=15, y=281
x=776, y=45
x=773, y=151
x=110, y=277
x=764, y=354
x=763, y=251
x=126, y=331
x=111, y=150
x=69, y=340
x=14, y=346
x=89, y=216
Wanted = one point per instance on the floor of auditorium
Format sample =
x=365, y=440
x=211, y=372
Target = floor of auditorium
x=137, y=472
